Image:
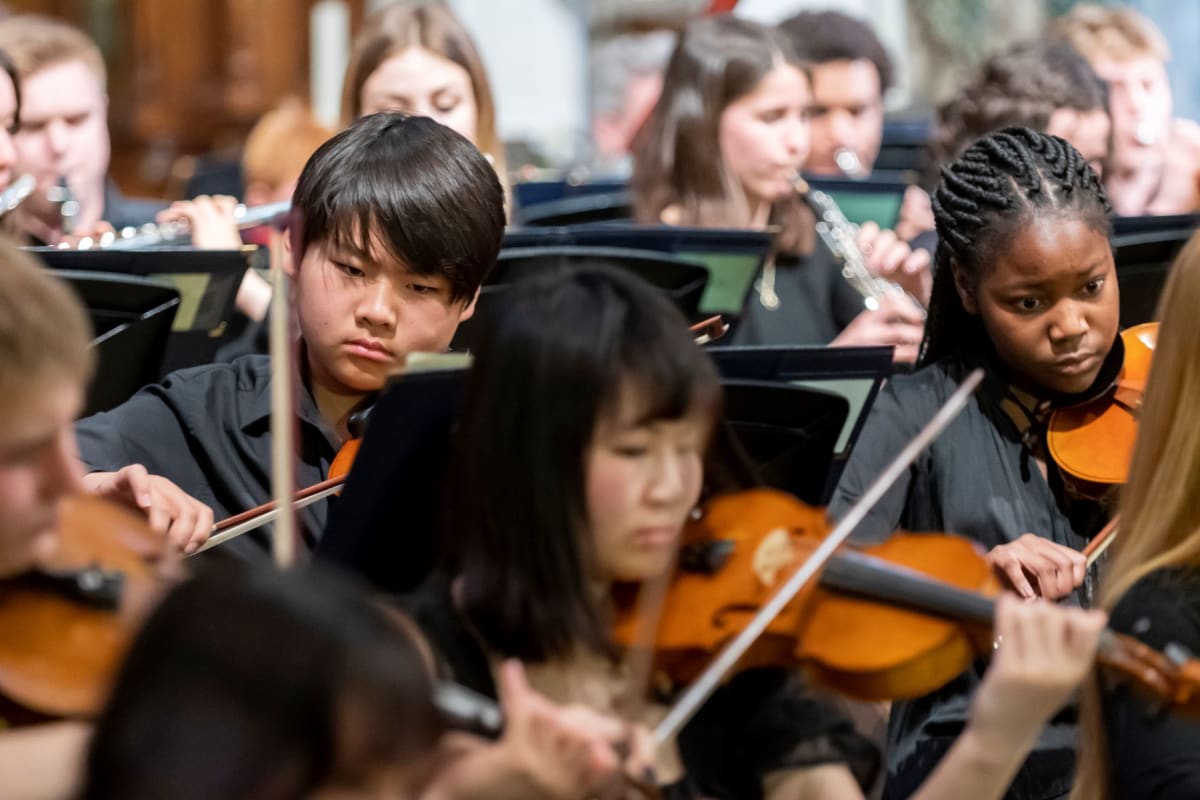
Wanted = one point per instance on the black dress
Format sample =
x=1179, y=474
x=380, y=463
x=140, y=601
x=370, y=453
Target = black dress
x=979, y=480
x=1155, y=754
x=760, y=722
x=815, y=303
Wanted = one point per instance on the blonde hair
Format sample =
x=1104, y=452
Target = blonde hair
x=280, y=143
x=433, y=27
x=44, y=330
x=1117, y=34
x=1160, y=503
x=34, y=42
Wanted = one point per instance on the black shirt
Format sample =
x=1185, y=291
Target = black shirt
x=208, y=430
x=815, y=303
x=759, y=722
x=977, y=480
x=1155, y=754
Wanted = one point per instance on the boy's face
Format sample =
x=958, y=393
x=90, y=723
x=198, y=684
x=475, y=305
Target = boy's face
x=39, y=467
x=361, y=317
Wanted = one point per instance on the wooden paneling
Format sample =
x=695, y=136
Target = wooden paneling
x=189, y=76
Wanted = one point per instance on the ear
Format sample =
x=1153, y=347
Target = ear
x=289, y=265
x=469, y=309
x=966, y=293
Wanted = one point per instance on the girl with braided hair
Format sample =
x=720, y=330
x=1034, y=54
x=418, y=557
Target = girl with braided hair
x=1025, y=287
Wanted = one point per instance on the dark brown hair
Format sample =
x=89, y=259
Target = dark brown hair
x=819, y=37
x=1022, y=86
x=422, y=190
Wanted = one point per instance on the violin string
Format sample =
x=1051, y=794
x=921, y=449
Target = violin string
x=703, y=687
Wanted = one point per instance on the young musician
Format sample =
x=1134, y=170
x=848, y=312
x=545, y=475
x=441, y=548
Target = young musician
x=1151, y=584
x=297, y=684
x=419, y=59
x=578, y=459
x=1155, y=158
x=723, y=147
x=64, y=127
x=395, y=223
x=1040, y=85
x=1026, y=289
x=45, y=363
x=276, y=150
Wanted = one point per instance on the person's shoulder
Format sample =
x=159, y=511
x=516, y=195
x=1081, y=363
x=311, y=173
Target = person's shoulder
x=245, y=372
x=928, y=386
x=1161, y=608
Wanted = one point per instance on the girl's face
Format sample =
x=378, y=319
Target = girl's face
x=416, y=81
x=1049, y=304
x=642, y=479
x=764, y=135
x=8, y=114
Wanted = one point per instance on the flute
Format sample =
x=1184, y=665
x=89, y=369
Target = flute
x=156, y=233
x=16, y=193
x=841, y=237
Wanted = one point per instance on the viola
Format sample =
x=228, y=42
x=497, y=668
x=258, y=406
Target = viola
x=889, y=621
x=1092, y=442
x=65, y=625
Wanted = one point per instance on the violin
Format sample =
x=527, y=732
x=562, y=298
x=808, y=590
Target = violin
x=890, y=621
x=65, y=626
x=1092, y=443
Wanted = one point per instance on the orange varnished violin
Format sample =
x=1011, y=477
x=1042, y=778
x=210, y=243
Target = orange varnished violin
x=1092, y=442
x=889, y=621
x=65, y=625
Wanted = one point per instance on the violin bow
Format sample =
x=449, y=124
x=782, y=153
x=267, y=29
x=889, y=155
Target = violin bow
x=708, y=681
x=1101, y=541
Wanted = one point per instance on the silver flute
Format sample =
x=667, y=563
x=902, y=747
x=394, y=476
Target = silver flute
x=159, y=233
x=16, y=193
x=841, y=237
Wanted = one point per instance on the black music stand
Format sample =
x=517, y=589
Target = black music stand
x=579, y=209
x=876, y=197
x=131, y=317
x=789, y=433
x=1144, y=249
x=385, y=525
x=682, y=280
x=855, y=373
x=734, y=256
x=207, y=281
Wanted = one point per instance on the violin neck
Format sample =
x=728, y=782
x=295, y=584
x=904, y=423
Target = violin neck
x=872, y=578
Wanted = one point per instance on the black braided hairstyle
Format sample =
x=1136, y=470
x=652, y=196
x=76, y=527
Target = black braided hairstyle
x=997, y=185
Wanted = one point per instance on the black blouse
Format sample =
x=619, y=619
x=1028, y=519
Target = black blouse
x=977, y=480
x=760, y=722
x=815, y=303
x=208, y=430
x=1155, y=754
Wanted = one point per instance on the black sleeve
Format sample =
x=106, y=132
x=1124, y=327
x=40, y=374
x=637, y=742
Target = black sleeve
x=149, y=429
x=764, y=721
x=140, y=430
x=1155, y=753
x=888, y=428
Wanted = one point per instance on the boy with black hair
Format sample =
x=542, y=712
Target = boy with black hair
x=396, y=221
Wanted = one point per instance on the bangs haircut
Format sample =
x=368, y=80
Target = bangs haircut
x=409, y=186
x=553, y=361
